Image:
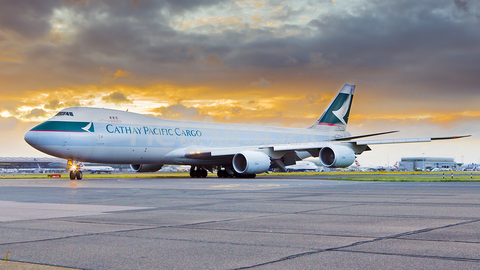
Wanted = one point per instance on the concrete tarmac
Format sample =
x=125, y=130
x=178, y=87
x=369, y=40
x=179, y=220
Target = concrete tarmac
x=262, y=223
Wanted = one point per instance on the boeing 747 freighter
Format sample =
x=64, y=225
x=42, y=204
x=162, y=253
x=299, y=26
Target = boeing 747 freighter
x=147, y=143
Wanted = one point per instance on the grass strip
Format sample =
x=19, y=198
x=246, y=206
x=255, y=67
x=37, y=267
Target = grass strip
x=408, y=179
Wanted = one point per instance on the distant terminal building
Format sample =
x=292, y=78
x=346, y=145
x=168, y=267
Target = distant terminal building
x=427, y=164
x=30, y=162
x=43, y=165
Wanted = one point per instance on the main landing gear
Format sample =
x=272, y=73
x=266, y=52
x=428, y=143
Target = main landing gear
x=197, y=172
x=75, y=173
x=229, y=173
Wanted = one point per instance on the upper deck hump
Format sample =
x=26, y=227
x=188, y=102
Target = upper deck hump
x=91, y=114
x=102, y=115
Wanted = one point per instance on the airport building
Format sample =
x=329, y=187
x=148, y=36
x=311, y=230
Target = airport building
x=44, y=165
x=31, y=165
x=427, y=164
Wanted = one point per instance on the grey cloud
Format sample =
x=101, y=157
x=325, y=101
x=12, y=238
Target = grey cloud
x=30, y=19
x=412, y=41
x=36, y=113
x=178, y=6
x=236, y=110
x=313, y=98
x=461, y=5
x=52, y=105
x=285, y=13
x=385, y=41
x=9, y=105
x=117, y=98
x=262, y=83
x=75, y=103
x=178, y=111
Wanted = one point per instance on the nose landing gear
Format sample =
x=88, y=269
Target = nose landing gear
x=75, y=173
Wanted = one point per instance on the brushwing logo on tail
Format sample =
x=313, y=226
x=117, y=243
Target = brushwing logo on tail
x=337, y=113
x=342, y=112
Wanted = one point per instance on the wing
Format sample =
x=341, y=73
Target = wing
x=340, y=152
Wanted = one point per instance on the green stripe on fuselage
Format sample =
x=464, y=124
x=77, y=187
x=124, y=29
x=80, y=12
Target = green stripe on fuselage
x=64, y=126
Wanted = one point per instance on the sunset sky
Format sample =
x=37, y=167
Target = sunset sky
x=416, y=65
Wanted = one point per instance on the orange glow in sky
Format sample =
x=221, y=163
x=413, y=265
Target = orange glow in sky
x=252, y=62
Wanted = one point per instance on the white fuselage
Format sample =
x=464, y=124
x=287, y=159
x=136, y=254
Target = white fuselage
x=118, y=137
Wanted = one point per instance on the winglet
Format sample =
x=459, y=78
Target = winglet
x=450, y=138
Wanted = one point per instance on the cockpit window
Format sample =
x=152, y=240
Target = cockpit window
x=64, y=113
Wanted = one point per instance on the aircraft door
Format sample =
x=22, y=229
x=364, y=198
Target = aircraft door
x=99, y=140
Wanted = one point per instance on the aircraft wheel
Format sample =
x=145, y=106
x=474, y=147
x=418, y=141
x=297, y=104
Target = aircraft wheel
x=72, y=175
x=204, y=173
x=222, y=174
x=79, y=175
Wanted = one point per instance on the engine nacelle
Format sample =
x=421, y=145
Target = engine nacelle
x=337, y=156
x=146, y=167
x=251, y=162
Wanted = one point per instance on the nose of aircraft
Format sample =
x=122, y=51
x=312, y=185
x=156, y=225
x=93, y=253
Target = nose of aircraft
x=31, y=138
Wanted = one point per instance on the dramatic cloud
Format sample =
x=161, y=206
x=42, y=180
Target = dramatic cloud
x=461, y=5
x=178, y=112
x=265, y=62
x=117, y=98
x=52, y=105
x=35, y=113
x=122, y=73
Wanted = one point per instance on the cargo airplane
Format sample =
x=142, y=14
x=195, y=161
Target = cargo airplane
x=97, y=135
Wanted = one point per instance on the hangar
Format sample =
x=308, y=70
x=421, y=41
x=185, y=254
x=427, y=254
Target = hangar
x=427, y=164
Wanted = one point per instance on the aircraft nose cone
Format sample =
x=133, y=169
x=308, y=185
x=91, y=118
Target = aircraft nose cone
x=31, y=138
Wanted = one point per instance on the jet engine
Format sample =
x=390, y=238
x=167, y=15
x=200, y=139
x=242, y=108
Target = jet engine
x=146, y=167
x=251, y=162
x=337, y=156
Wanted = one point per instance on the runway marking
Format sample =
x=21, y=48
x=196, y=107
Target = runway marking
x=249, y=185
x=24, y=266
